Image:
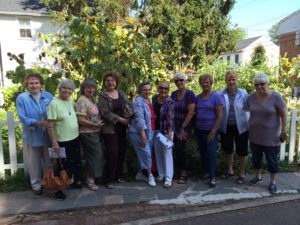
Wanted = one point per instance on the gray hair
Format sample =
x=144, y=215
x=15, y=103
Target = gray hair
x=180, y=75
x=261, y=77
x=66, y=82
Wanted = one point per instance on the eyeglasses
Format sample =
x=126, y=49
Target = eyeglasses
x=179, y=80
x=163, y=88
x=260, y=84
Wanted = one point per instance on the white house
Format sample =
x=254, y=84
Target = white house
x=245, y=50
x=20, y=23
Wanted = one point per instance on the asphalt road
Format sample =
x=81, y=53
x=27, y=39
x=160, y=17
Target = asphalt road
x=287, y=213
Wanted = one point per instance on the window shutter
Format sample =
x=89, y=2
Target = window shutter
x=297, y=39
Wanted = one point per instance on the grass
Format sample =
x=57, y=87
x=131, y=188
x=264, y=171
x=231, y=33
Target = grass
x=15, y=182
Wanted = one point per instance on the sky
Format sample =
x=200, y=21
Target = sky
x=258, y=16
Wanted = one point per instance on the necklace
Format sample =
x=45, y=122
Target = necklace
x=68, y=105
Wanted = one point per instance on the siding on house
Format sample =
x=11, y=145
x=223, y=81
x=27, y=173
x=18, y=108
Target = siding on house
x=288, y=46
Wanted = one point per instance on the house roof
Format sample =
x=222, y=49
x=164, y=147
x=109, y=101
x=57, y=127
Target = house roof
x=289, y=24
x=246, y=42
x=23, y=7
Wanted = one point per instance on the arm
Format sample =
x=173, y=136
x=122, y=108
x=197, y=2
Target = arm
x=283, y=116
x=82, y=120
x=52, y=135
x=24, y=118
x=219, y=117
x=187, y=120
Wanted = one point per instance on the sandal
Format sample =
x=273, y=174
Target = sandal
x=92, y=186
x=227, y=175
x=182, y=180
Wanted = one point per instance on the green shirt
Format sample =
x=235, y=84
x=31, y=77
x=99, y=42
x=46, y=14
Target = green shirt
x=63, y=112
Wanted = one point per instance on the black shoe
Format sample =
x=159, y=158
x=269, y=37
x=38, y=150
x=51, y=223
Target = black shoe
x=212, y=184
x=60, y=196
x=38, y=192
x=75, y=186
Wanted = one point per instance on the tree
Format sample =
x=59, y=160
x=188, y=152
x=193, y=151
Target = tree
x=259, y=57
x=272, y=33
x=189, y=31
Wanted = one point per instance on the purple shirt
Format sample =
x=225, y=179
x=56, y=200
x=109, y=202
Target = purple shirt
x=181, y=109
x=206, y=111
x=265, y=121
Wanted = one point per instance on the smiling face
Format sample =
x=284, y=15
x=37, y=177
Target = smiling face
x=180, y=83
x=34, y=85
x=146, y=91
x=89, y=91
x=261, y=87
x=231, y=82
x=205, y=84
x=65, y=91
x=110, y=83
x=163, y=89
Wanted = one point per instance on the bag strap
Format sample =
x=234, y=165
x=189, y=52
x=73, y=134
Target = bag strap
x=59, y=160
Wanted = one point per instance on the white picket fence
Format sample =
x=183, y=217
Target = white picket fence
x=13, y=165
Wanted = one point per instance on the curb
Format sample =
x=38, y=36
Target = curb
x=217, y=209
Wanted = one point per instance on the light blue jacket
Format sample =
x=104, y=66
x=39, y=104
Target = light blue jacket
x=30, y=111
x=142, y=116
x=241, y=115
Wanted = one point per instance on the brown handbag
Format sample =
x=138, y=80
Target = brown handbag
x=58, y=183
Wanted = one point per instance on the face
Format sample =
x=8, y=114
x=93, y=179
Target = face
x=231, y=82
x=261, y=87
x=89, y=91
x=110, y=83
x=146, y=91
x=205, y=85
x=163, y=89
x=34, y=85
x=65, y=91
x=180, y=83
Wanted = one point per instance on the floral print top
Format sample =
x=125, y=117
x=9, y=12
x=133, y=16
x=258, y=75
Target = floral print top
x=88, y=108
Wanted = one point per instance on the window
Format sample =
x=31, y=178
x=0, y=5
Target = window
x=236, y=59
x=297, y=39
x=228, y=58
x=25, y=29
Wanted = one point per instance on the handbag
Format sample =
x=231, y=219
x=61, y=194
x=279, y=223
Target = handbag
x=52, y=182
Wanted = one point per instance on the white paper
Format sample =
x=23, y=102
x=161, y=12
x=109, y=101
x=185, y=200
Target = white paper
x=54, y=154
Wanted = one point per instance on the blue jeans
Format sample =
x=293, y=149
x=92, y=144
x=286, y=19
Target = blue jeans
x=143, y=153
x=208, y=152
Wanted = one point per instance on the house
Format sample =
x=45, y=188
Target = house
x=245, y=50
x=20, y=23
x=289, y=35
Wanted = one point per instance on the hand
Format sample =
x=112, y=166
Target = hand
x=211, y=136
x=99, y=124
x=55, y=146
x=170, y=136
x=123, y=121
x=283, y=136
x=41, y=123
x=143, y=140
x=182, y=135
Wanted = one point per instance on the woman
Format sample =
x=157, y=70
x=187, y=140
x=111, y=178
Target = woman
x=63, y=132
x=141, y=132
x=164, y=125
x=31, y=108
x=267, y=128
x=184, y=102
x=209, y=113
x=234, y=125
x=115, y=109
x=90, y=125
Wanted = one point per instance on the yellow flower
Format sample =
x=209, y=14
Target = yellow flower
x=287, y=64
x=80, y=45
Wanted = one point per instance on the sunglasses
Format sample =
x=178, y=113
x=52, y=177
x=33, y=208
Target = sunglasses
x=179, y=80
x=260, y=84
x=163, y=88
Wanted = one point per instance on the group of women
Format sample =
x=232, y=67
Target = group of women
x=155, y=127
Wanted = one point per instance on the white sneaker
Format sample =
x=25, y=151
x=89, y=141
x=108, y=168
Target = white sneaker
x=159, y=178
x=167, y=184
x=140, y=177
x=151, y=180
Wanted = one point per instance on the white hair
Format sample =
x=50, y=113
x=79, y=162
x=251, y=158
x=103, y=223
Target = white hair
x=180, y=75
x=261, y=77
x=66, y=82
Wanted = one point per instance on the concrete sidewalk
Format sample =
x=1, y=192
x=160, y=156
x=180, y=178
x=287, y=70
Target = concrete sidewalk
x=195, y=192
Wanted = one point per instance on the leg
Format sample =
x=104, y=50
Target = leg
x=168, y=164
x=241, y=142
x=271, y=157
x=122, y=145
x=180, y=158
x=202, y=148
x=159, y=155
x=227, y=145
x=111, y=156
